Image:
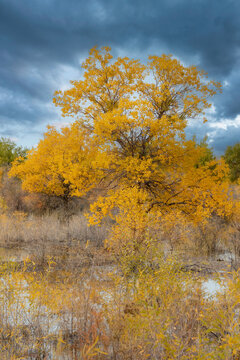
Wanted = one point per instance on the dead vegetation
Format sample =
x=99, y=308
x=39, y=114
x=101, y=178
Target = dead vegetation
x=69, y=298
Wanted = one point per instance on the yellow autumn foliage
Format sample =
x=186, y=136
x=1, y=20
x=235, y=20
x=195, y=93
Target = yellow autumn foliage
x=128, y=137
x=60, y=165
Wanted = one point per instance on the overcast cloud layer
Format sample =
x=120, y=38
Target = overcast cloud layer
x=43, y=42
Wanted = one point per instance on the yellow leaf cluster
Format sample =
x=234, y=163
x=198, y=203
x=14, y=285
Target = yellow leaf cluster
x=59, y=165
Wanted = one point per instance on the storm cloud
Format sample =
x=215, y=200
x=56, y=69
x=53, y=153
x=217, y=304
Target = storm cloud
x=43, y=42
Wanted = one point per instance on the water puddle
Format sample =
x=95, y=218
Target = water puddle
x=212, y=287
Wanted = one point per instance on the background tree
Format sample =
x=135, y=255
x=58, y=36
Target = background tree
x=208, y=155
x=10, y=191
x=232, y=158
x=9, y=151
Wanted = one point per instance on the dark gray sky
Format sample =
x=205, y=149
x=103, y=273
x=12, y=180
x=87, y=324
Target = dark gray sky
x=43, y=42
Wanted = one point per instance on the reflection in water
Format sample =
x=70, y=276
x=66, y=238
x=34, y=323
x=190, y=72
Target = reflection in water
x=211, y=287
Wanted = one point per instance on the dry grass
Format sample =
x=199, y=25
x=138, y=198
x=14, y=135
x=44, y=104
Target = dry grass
x=19, y=228
x=72, y=244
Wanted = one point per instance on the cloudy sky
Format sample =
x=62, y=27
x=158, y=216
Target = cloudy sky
x=43, y=42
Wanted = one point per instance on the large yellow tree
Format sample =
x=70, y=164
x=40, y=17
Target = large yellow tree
x=132, y=119
x=137, y=115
